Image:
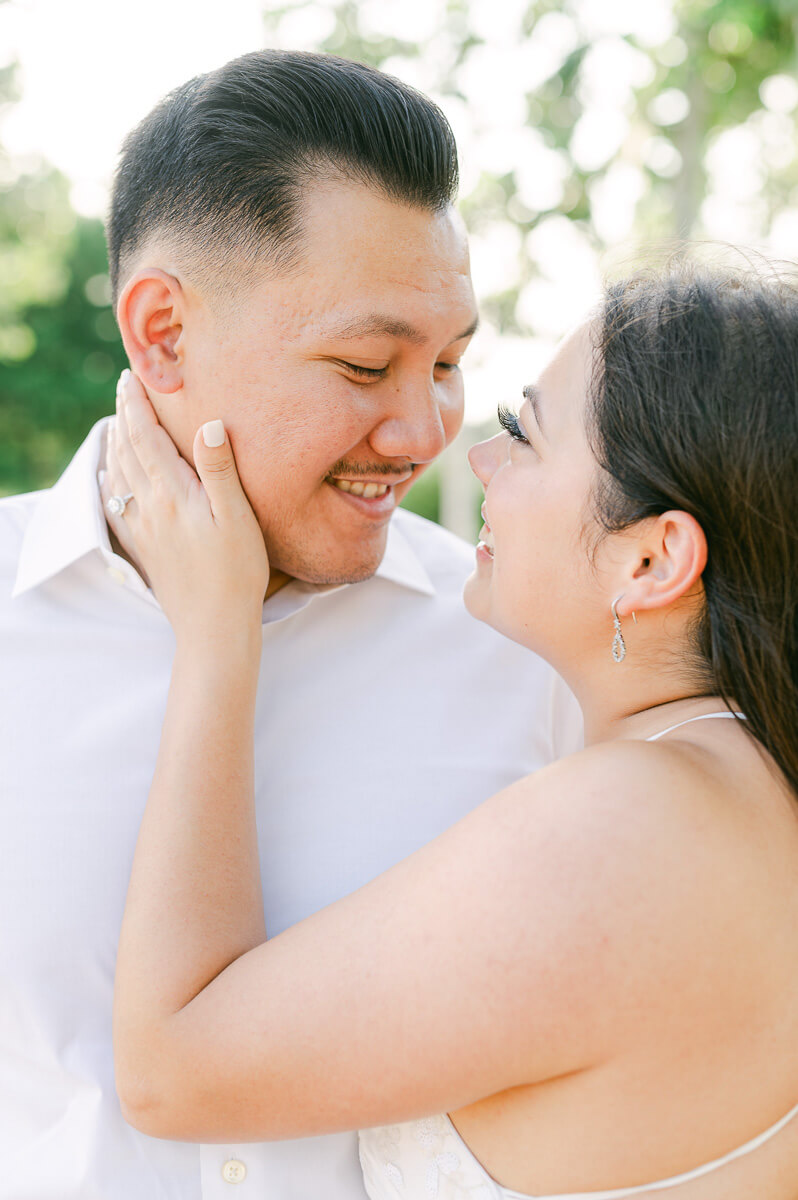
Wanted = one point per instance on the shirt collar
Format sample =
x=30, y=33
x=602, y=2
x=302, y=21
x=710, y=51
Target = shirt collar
x=400, y=563
x=68, y=522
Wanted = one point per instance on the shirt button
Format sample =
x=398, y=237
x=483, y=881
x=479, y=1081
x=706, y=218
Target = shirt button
x=234, y=1171
x=117, y=575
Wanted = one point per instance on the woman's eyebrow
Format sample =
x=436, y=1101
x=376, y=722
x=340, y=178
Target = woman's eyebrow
x=531, y=393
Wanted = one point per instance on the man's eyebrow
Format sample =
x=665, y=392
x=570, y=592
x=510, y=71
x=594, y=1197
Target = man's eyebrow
x=531, y=393
x=380, y=324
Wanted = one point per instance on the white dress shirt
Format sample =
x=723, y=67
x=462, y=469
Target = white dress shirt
x=385, y=713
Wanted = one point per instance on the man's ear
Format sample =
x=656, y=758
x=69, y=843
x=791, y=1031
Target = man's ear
x=670, y=559
x=150, y=313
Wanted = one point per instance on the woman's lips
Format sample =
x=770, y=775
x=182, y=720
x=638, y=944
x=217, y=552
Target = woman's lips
x=485, y=535
x=485, y=542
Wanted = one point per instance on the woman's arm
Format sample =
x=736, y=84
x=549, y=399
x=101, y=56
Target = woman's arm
x=524, y=943
x=194, y=901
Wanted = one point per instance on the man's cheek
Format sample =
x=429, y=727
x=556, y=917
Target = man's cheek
x=452, y=416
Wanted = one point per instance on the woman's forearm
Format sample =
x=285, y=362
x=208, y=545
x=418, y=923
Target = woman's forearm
x=194, y=901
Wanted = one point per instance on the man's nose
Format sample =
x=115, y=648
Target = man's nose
x=419, y=426
x=486, y=456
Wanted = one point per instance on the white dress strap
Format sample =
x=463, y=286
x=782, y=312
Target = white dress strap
x=704, y=717
x=662, y=1184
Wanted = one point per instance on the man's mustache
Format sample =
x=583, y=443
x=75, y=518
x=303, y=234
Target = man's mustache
x=347, y=470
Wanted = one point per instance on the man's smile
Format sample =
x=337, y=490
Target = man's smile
x=359, y=488
x=367, y=497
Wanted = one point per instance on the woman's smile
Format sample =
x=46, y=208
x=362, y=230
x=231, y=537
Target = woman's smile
x=485, y=547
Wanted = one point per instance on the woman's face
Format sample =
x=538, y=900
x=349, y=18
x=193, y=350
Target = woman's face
x=533, y=580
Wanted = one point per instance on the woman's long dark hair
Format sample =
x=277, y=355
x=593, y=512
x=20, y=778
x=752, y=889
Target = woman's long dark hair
x=695, y=407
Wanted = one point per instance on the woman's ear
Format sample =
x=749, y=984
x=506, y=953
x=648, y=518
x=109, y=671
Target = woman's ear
x=670, y=559
x=150, y=313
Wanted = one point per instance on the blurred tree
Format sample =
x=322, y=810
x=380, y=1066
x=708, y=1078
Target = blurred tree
x=59, y=346
x=607, y=96
x=720, y=60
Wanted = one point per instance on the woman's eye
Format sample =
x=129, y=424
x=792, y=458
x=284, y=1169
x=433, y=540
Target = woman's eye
x=365, y=372
x=509, y=423
x=448, y=367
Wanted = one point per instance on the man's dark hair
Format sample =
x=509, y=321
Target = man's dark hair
x=695, y=407
x=219, y=166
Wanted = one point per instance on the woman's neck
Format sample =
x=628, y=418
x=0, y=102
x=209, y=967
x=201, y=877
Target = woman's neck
x=633, y=701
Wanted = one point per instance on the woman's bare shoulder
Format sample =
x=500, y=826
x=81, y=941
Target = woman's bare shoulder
x=638, y=878
x=634, y=839
x=641, y=787
x=663, y=789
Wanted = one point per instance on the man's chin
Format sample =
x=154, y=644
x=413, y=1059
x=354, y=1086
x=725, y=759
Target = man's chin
x=327, y=571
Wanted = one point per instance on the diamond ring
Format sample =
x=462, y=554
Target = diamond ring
x=117, y=504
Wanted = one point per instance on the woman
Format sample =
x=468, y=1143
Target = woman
x=593, y=974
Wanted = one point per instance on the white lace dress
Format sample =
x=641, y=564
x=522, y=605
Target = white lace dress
x=428, y=1160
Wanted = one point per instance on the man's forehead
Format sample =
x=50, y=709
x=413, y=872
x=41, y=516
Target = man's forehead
x=381, y=324
x=354, y=228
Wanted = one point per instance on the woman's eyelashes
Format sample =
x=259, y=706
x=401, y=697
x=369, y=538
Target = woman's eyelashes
x=509, y=423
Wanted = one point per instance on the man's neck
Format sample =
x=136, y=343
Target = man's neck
x=277, y=580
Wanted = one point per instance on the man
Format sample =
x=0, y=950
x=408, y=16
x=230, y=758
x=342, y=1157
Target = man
x=284, y=256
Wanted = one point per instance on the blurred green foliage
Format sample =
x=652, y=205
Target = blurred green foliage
x=59, y=347
x=59, y=357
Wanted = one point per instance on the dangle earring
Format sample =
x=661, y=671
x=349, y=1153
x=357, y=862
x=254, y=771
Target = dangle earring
x=618, y=644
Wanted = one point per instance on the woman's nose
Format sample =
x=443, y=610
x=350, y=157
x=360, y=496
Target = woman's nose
x=485, y=457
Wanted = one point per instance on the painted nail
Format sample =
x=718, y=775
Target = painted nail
x=213, y=433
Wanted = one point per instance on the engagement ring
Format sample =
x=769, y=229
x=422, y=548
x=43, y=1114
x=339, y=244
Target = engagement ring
x=117, y=504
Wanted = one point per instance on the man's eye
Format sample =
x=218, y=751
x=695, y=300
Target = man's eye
x=509, y=423
x=365, y=372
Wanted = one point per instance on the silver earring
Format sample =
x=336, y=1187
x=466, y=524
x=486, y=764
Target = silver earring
x=618, y=644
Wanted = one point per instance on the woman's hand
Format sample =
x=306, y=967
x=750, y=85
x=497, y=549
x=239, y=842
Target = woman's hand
x=197, y=539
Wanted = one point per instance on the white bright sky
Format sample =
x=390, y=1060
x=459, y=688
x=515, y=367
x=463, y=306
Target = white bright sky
x=91, y=69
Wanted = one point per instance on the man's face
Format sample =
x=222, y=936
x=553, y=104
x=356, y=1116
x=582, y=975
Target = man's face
x=338, y=382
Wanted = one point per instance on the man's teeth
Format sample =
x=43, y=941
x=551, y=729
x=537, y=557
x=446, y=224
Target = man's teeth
x=367, y=490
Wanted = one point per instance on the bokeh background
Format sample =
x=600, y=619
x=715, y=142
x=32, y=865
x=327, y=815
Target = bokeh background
x=586, y=128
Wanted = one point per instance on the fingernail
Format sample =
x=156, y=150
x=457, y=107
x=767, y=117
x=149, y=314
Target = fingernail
x=123, y=378
x=101, y=478
x=213, y=433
